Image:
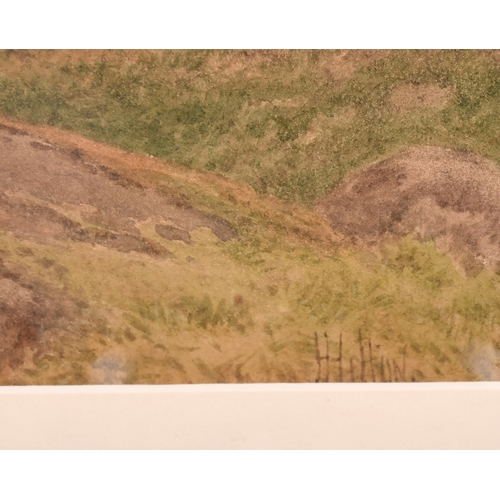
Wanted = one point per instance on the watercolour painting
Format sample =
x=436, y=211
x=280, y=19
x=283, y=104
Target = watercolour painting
x=240, y=216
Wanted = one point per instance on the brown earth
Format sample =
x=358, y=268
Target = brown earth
x=50, y=193
x=452, y=197
x=412, y=96
x=170, y=232
x=31, y=312
x=343, y=64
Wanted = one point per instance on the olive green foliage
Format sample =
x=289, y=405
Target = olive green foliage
x=252, y=125
x=203, y=313
x=291, y=127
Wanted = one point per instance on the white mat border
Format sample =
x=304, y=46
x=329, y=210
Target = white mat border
x=252, y=416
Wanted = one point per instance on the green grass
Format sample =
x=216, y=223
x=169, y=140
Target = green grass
x=252, y=127
x=247, y=310
x=220, y=305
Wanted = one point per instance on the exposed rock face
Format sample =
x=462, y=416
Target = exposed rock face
x=449, y=196
x=47, y=193
x=29, y=310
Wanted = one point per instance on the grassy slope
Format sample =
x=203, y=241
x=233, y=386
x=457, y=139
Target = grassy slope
x=248, y=309
x=248, y=116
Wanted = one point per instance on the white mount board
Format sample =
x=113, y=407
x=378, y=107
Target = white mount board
x=258, y=416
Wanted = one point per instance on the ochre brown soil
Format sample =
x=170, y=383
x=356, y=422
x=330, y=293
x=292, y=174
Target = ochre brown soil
x=41, y=184
x=411, y=96
x=30, y=312
x=452, y=197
